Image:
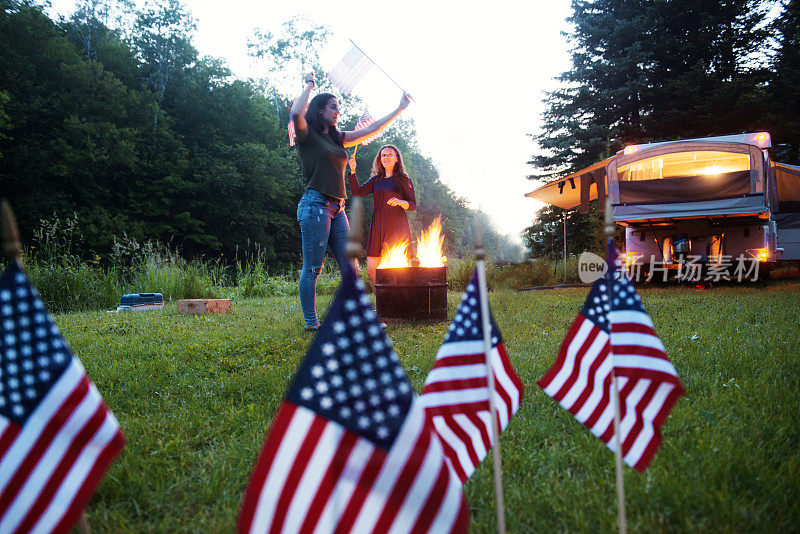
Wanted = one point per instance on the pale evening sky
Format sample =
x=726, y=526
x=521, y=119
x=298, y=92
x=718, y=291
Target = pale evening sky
x=477, y=73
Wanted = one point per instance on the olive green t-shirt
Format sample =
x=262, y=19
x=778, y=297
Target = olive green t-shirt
x=324, y=162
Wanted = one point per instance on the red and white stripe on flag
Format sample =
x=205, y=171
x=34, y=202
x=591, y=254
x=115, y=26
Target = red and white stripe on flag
x=613, y=333
x=315, y=475
x=349, y=70
x=366, y=120
x=456, y=392
x=350, y=449
x=57, y=438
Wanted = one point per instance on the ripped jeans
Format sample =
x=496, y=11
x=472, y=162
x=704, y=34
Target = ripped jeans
x=323, y=224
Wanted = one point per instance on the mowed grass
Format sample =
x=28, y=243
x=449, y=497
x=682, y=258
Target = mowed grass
x=196, y=394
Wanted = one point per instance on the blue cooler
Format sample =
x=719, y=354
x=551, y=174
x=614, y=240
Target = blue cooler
x=141, y=301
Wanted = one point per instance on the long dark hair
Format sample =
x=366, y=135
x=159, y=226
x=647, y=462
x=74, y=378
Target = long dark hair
x=399, y=169
x=316, y=105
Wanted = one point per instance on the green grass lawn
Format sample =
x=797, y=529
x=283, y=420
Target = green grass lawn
x=196, y=394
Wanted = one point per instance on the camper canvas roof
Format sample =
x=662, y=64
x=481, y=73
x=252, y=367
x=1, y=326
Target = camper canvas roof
x=759, y=139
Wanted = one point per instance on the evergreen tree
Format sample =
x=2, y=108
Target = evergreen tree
x=785, y=85
x=647, y=70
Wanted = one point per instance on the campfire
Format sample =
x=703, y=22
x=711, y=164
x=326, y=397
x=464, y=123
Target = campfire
x=429, y=250
x=415, y=289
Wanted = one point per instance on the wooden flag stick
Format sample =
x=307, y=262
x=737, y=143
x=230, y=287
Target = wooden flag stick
x=354, y=236
x=12, y=246
x=480, y=257
x=621, y=519
x=83, y=524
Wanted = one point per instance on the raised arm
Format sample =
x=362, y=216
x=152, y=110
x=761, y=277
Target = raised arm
x=298, y=111
x=352, y=138
x=355, y=188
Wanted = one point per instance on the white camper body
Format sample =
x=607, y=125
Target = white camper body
x=711, y=199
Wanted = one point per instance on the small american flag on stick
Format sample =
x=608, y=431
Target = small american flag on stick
x=366, y=120
x=614, y=335
x=57, y=438
x=456, y=393
x=350, y=449
x=349, y=70
x=290, y=126
x=292, y=136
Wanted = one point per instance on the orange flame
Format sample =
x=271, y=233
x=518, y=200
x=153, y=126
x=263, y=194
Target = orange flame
x=429, y=250
x=429, y=245
x=395, y=256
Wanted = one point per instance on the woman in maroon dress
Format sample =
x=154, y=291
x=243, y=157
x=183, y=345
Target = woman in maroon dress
x=393, y=195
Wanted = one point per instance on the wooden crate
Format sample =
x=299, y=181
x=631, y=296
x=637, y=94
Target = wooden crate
x=200, y=306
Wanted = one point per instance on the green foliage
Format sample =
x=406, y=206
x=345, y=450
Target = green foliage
x=291, y=54
x=196, y=394
x=76, y=287
x=785, y=126
x=545, y=237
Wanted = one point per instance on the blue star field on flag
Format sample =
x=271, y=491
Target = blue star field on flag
x=33, y=354
x=351, y=374
x=467, y=324
x=612, y=291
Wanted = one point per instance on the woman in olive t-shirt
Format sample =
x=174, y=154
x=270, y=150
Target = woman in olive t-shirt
x=321, y=215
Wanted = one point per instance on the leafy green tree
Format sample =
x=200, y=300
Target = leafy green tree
x=162, y=36
x=5, y=120
x=91, y=20
x=545, y=237
x=290, y=54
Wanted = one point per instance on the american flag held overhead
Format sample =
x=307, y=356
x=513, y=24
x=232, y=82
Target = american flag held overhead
x=349, y=70
x=456, y=393
x=57, y=438
x=614, y=334
x=350, y=449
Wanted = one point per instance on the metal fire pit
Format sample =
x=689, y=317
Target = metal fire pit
x=411, y=293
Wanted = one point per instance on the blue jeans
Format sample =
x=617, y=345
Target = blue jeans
x=323, y=224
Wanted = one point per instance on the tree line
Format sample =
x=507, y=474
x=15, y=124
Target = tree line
x=112, y=118
x=651, y=70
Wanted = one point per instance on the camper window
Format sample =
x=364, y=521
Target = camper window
x=685, y=165
x=685, y=177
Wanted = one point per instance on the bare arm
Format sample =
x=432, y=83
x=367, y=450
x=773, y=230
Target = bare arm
x=298, y=111
x=352, y=138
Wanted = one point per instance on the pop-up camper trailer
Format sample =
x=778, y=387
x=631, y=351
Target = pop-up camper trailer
x=712, y=198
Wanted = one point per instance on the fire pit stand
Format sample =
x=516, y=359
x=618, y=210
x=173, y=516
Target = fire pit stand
x=411, y=293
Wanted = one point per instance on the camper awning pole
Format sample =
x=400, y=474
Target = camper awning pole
x=565, y=246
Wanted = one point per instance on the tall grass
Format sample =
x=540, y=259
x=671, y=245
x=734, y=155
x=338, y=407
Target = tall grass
x=77, y=287
x=531, y=273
